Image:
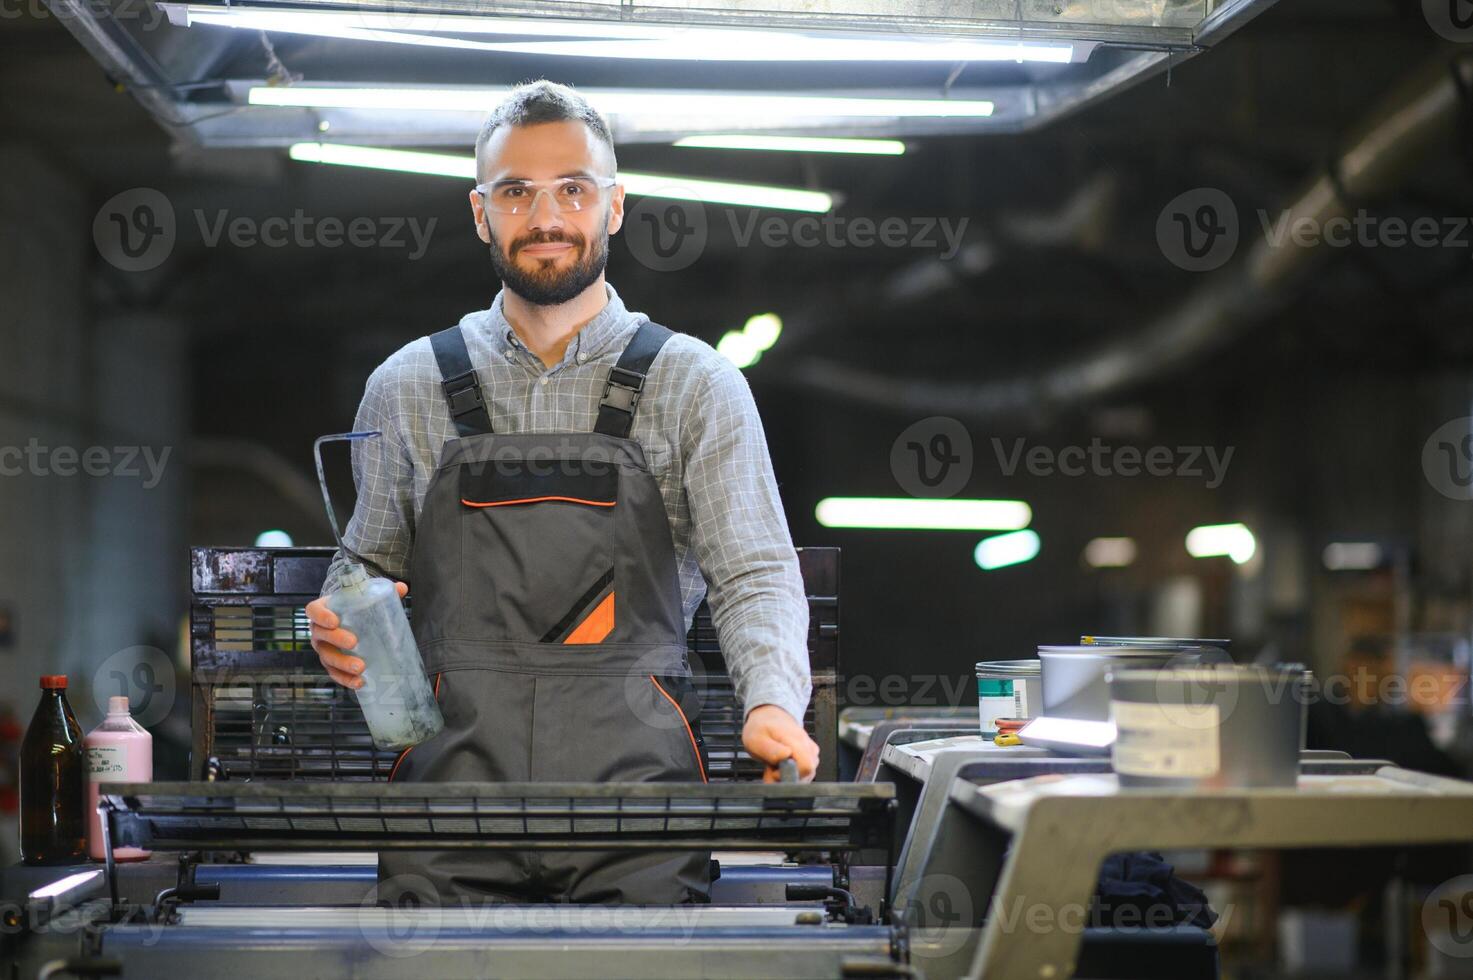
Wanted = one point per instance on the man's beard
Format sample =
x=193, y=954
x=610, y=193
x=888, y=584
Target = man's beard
x=544, y=284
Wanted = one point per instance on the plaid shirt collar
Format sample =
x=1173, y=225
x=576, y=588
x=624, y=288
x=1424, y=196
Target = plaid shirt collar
x=589, y=342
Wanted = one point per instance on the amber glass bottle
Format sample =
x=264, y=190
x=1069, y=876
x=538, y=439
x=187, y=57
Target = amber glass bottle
x=53, y=828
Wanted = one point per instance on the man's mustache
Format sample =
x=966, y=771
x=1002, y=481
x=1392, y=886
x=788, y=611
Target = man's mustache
x=545, y=238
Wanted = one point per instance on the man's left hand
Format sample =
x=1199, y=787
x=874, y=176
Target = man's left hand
x=772, y=735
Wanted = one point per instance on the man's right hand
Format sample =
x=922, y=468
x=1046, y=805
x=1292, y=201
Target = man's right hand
x=330, y=642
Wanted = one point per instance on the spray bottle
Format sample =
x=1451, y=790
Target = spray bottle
x=397, y=700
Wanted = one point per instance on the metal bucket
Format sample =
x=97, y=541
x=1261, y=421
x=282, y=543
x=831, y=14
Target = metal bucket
x=1213, y=726
x=1007, y=689
x=1073, y=678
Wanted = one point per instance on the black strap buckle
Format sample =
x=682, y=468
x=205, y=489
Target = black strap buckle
x=628, y=384
x=463, y=393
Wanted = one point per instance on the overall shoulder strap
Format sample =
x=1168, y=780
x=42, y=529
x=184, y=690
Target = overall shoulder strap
x=462, y=388
x=626, y=380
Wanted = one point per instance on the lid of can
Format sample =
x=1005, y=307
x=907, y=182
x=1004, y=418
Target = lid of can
x=53, y=681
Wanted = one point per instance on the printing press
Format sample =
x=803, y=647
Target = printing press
x=923, y=849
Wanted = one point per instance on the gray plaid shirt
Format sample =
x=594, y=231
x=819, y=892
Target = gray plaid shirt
x=703, y=440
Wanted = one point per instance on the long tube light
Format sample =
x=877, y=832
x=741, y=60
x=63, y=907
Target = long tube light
x=1003, y=550
x=666, y=186
x=795, y=144
x=923, y=514
x=1213, y=540
x=591, y=39
x=710, y=106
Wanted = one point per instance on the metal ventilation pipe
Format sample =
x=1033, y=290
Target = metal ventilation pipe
x=1421, y=113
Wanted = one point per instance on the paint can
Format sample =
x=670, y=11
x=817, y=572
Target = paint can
x=1007, y=689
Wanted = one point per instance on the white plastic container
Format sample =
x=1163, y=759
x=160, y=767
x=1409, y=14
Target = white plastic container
x=397, y=700
x=118, y=751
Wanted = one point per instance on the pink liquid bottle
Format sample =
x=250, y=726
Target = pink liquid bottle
x=118, y=751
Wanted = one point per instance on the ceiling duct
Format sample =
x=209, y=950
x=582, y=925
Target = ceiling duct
x=1421, y=114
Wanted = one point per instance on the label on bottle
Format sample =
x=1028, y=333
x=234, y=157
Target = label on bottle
x=105, y=763
x=1166, y=740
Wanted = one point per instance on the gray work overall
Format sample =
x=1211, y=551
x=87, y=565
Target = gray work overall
x=548, y=611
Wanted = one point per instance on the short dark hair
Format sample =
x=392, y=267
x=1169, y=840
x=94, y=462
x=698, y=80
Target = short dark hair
x=542, y=102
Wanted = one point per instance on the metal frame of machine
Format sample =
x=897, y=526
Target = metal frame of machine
x=262, y=707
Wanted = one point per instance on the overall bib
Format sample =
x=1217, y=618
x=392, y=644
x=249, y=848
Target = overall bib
x=548, y=611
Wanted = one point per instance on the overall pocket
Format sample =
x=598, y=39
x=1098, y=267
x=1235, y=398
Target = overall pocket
x=681, y=694
x=538, y=549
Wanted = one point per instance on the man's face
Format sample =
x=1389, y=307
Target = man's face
x=549, y=254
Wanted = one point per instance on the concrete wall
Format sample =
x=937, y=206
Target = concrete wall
x=92, y=557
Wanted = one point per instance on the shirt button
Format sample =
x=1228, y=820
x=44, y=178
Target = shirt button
x=544, y=379
x=582, y=357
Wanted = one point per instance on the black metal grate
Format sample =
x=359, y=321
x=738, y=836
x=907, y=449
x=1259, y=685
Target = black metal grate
x=263, y=709
x=563, y=816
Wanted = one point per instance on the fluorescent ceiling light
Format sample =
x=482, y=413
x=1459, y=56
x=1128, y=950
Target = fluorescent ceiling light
x=745, y=347
x=595, y=39
x=1353, y=556
x=795, y=144
x=764, y=329
x=1214, y=540
x=667, y=186
x=911, y=513
x=738, y=348
x=1110, y=552
x=1006, y=549
x=712, y=107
